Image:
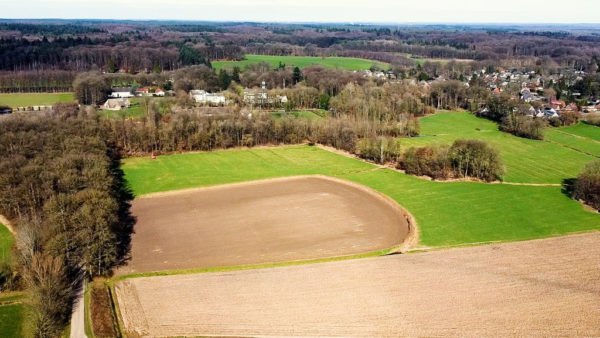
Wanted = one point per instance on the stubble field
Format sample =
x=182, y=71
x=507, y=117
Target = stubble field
x=545, y=287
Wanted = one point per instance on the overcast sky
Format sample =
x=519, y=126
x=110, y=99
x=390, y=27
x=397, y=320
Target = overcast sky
x=389, y=11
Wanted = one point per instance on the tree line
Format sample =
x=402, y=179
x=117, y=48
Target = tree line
x=60, y=184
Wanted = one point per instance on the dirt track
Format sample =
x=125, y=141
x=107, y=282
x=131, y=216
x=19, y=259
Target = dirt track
x=538, y=288
x=259, y=222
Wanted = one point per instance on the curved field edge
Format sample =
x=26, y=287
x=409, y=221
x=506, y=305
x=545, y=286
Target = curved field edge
x=448, y=214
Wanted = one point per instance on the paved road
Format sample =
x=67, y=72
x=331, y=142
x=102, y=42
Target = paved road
x=78, y=318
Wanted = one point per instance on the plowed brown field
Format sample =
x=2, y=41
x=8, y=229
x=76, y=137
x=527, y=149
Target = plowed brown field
x=265, y=221
x=540, y=288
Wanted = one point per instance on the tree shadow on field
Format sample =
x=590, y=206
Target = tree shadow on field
x=568, y=187
x=124, y=196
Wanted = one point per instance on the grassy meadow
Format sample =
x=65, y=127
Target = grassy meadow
x=581, y=137
x=302, y=62
x=526, y=161
x=11, y=320
x=448, y=214
x=34, y=99
x=6, y=242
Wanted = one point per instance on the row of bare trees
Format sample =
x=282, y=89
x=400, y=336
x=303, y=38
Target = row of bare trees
x=61, y=186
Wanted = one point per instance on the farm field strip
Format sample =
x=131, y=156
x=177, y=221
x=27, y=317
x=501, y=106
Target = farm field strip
x=526, y=161
x=15, y=100
x=447, y=214
x=545, y=287
x=346, y=63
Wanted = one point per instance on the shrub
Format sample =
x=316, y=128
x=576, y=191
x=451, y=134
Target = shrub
x=593, y=120
x=475, y=158
x=379, y=149
x=523, y=126
x=587, y=186
x=429, y=161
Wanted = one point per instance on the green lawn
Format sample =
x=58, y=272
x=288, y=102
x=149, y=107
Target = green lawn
x=11, y=320
x=136, y=110
x=200, y=169
x=6, y=242
x=580, y=137
x=302, y=62
x=526, y=161
x=34, y=99
x=448, y=214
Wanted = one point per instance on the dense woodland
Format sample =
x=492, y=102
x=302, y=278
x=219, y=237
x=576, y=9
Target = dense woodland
x=134, y=47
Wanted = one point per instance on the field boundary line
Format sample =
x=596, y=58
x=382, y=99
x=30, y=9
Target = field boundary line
x=377, y=253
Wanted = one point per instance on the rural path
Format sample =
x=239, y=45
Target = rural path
x=548, y=287
x=78, y=317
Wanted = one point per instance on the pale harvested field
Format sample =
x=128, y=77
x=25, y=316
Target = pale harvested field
x=265, y=221
x=538, y=288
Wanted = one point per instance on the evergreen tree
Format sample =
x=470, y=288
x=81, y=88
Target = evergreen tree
x=297, y=76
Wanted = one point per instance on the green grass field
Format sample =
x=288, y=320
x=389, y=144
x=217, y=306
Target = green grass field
x=448, y=214
x=34, y=99
x=6, y=242
x=11, y=320
x=302, y=62
x=580, y=137
x=526, y=161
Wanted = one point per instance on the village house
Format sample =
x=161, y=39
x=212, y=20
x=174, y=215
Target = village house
x=557, y=104
x=121, y=92
x=148, y=91
x=203, y=97
x=116, y=104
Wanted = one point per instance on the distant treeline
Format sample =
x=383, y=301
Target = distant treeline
x=146, y=46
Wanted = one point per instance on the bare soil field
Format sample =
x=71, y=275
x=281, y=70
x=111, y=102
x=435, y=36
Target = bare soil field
x=266, y=221
x=547, y=287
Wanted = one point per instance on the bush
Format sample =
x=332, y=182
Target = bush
x=524, y=126
x=428, y=161
x=593, y=120
x=587, y=186
x=465, y=158
x=476, y=158
x=379, y=149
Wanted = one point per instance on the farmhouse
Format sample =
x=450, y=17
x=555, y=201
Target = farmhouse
x=262, y=97
x=149, y=91
x=121, y=92
x=203, y=97
x=116, y=104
